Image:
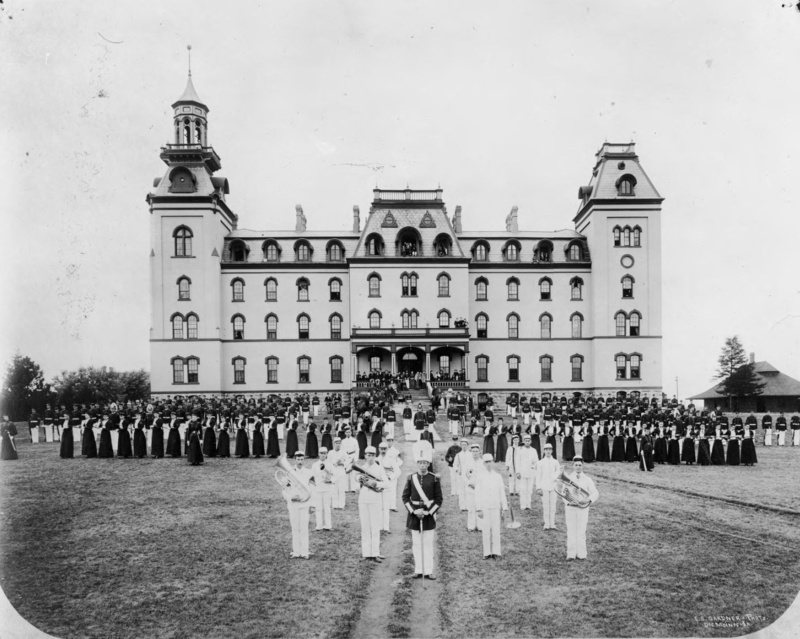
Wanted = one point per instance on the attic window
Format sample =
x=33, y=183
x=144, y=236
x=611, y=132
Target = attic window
x=626, y=185
x=182, y=181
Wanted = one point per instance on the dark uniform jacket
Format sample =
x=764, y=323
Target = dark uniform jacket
x=432, y=488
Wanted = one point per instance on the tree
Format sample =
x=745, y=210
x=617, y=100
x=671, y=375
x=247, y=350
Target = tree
x=24, y=388
x=92, y=385
x=738, y=376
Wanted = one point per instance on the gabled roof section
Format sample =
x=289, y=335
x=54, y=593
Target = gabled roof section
x=776, y=384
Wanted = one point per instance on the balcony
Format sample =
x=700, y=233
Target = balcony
x=407, y=197
x=410, y=332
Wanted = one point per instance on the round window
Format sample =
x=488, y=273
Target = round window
x=627, y=261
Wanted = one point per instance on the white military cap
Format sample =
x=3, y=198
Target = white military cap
x=487, y=457
x=370, y=449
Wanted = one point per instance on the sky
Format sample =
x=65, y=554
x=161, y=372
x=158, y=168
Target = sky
x=317, y=102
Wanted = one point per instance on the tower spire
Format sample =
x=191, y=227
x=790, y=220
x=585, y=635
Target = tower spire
x=189, y=49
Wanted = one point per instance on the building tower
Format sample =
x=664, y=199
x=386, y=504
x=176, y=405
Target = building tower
x=189, y=220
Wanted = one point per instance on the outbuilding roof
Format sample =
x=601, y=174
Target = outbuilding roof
x=776, y=384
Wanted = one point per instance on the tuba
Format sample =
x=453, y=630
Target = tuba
x=289, y=481
x=570, y=491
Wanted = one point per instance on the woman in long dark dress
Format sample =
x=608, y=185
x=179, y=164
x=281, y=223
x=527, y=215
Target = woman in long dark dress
x=157, y=437
x=501, y=448
x=139, y=438
x=660, y=445
x=210, y=438
x=488, y=440
x=195, y=452
x=673, y=446
x=703, y=452
x=375, y=439
x=587, y=448
x=312, y=443
x=618, y=446
x=687, y=447
x=106, y=450
x=631, y=447
x=603, y=450
x=733, y=458
x=550, y=430
x=749, y=448
x=67, y=448
x=242, y=448
x=568, y=445
x=535, y=442
x=292, y=445
x=224, y=439
x=327, y=438
x=717, y=450
x=258, y=440
x=273, y=445
x=124, y=444
x=174, y=438
x=8, y=449
x=361, y=435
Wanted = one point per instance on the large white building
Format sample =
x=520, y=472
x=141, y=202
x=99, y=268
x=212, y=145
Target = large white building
x=236, y=311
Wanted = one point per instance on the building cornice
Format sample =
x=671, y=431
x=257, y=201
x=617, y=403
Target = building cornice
x=621, y=203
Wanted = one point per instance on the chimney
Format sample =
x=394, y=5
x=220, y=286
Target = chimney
x=752, y=358
x=300, y=219
x=356, y=220
x=512, y=225
x=457, y=220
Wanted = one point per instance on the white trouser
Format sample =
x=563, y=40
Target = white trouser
x=353, y=486
x=386, y=506
x=370, y=515
x=428, y=537
x=577, y=519
x=796, y=437
x=526, y=419
x=305, y=418
x=512, y=483
x=48, y=433
x=461, y=488
x=316, y=410
x=549, y=508
x=340, y=491
x=35, y=435
x=491, y=532
x=280, y=432
x=768, y=437
x=322, y=509
x=781, y=438
x=391, y=492
x=453, y=424
x=453, y=485
x=525, y=492
x=407, y=426
x=298, y=517
x=472, y=519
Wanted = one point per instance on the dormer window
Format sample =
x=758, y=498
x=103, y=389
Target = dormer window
x=374, y=245
x=302, y=251
x=626, y=185
x=239, y=251
x=272, y=251
x=443, y=246
x=408, y=243
x=543, y=252
x=480, y=251
x=335, y=251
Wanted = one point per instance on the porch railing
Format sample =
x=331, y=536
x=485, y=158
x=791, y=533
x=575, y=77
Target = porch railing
x=410, y=332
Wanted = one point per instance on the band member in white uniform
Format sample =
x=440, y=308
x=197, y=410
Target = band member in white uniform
x=490, y=502
x=512, y=463
x=526, y=472
x=323, y=490
x=393, y=453
x=370, y=501
x=460, y=464
x=298, y=511
x=546, y=472
x=577, y=517
x=472, y=467
x=350, y=447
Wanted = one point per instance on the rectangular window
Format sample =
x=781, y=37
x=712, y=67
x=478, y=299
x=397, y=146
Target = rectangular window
x=547, y=371
x=576, y=292
x=513, y=370
x=193, y=371
x=272, y=371
x=177, y=371
x=374, y=287
x=483, y=369
x=305, y=375
x=621, y=366
x=577, y=369
x=444, y=364
x=238, y=371
x=635, y=367
x=620, y=325
x=444, y=287
x=634, y=324
x=544, y=289
x=336, y=370
x=375, y=363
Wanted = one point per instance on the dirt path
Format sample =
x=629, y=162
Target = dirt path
x=398, y=606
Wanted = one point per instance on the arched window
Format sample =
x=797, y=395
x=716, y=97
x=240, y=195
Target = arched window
x=637, y=236
x=336, y=326
x=513, y=368
x=481, y=289
x=626, y=185
x=443, y=245
x=482, y=363
x=546, y=362
x=627, y=286
x=302, y=251
x=177, y=326
x=636, y=362
x=336, y=369
x=626, y=236
x=511, y=251
x=271, y=285
x=575, y=253
x=374, y=285
x=177, y=370
x=374, y=319
x=238, y=326
x=408, y=284
x=481, y=325
x=272, y=326
x=375, y=245
x=577, y=368
x=576, y=288
x=444, y=319
x=272, y=370
x=335, y=287
x=193, y=368
x=335, y=251
x=444, y=365
x=622, y=364
x=635, y=320
x=408, y=243
x=238, y=290
x=303, y=324
x=184, y=287
x=272, y=251
x=545, y=322
x=480, y=251
x=444, y=285
x=577, y=325
x=183, y=241
x=513, y=289
x=239, y=251
x=238, y=370
x=409, y=318
x=304, y=369
x=191, y=326
x=620, y=320
x=617, y=236
x=513, y=325
x=543, y=251
x=545, y=285
x=302, y=290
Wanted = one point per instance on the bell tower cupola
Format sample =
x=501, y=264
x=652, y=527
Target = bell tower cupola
x=190, y=129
